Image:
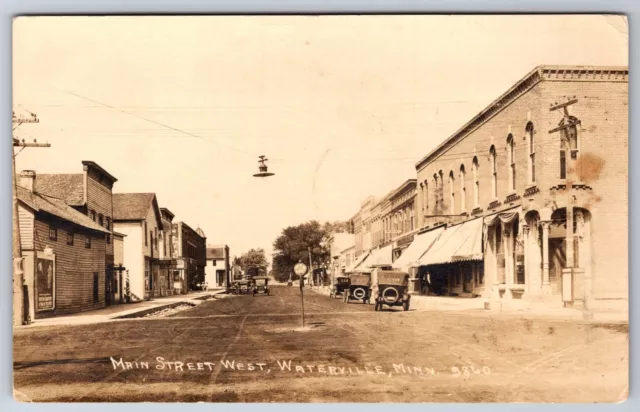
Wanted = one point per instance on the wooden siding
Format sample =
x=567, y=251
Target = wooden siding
x=25, y=218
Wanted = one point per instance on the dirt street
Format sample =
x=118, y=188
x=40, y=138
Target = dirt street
x=252, y=349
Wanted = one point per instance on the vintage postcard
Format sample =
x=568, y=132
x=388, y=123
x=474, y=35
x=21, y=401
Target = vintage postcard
x=378, y=208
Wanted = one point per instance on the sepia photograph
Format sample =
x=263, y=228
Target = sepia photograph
x=321, y=208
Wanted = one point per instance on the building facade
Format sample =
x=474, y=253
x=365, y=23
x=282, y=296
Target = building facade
x=169, y=274
x=190, y=253
x=137, y=216
x=544, y=167
x=90, y=193
x=64, y=254
x=217, y=270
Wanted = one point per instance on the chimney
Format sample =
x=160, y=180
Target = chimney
x=28, y=179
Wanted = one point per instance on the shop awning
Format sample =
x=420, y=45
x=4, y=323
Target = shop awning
x=421, y=244
x=357, y=263
x=458, y=243
x=381, y=257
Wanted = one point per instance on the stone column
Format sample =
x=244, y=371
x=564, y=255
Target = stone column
x=508, y=259
x=546, y=285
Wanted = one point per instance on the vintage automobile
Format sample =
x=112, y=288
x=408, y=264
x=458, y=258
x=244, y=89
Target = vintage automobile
x=359, y=288
x=339, y=286
x=392, y=289
x=260, y=285
x=242, y=287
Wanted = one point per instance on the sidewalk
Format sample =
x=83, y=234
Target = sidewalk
x=476, y=306
x=123, y=310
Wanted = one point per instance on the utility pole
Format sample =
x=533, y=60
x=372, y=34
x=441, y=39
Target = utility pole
x=18, y=281
x=310, y=268
x=567, y=126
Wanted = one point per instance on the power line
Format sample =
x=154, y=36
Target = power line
x=153, y=121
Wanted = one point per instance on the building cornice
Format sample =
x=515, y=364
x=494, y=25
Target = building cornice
x=539, y=74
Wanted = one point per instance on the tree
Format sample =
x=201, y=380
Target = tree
x=253, y=262
x=296, y=242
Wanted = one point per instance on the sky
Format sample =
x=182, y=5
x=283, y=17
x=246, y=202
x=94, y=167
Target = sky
x=343, y=106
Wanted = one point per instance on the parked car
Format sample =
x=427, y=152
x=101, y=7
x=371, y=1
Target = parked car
x=260, y=285
x=359, y=288
x=339, y=286
x=392, y=289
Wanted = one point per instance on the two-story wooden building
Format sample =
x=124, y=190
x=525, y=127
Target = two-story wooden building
x=64, y=252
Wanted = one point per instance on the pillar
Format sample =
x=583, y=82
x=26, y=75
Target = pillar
x=525, y=235
x=508, y=240
x=546, y=285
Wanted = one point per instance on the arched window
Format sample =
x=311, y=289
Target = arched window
x=412, y=217
x=441, y=191
x=476, y=182
x=426, y=197
x=494, y=172
x=435, y=194
x=452, y=194
x=463, y=190
x=532, y=152
x=511, y=146
x=422, y=205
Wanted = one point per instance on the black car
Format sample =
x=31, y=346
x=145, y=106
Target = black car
x=339, y=286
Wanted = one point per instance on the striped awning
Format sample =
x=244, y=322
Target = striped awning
x=457, y=243
x=420, y=245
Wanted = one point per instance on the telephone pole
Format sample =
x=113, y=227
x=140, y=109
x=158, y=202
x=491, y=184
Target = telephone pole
x=567, y=126
x=310, y=269
x=18, y=281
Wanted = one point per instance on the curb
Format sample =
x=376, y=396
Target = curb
x=142, y=313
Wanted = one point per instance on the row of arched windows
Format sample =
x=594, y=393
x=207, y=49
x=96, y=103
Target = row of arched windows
x=475, y=167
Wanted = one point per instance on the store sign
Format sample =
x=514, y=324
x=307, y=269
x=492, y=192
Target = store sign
x=405, y=240
x=45, y=284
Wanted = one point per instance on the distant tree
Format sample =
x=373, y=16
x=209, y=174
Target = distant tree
x=253, y=262
x=295, y=242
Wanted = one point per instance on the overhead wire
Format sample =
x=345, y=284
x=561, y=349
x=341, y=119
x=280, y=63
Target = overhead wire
x=154, y=122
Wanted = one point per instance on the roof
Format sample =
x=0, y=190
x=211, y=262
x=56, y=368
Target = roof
x=94, y=165
x=57, y=207
x=215, y=253
x=66, y=187
x=540, y=73
x=164, y=210
x=409, y=183
x=457, y=243
x=200, y=232
x=135, y=206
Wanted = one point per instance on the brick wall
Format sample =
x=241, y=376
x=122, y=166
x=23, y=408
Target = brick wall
x=603, y=150
x=603, y=134
x=75, y=266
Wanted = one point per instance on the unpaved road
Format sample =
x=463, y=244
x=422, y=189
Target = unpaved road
x=347, y=353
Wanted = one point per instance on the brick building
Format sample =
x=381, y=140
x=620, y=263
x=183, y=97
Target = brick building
x=190, y=251
x=64, y=253
x=137, y=216
x=533, y=193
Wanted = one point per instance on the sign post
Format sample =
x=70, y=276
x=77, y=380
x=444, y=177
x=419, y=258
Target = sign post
x=300, y=269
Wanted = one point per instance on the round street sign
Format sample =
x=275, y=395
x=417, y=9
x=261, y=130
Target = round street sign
x=300, y=269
